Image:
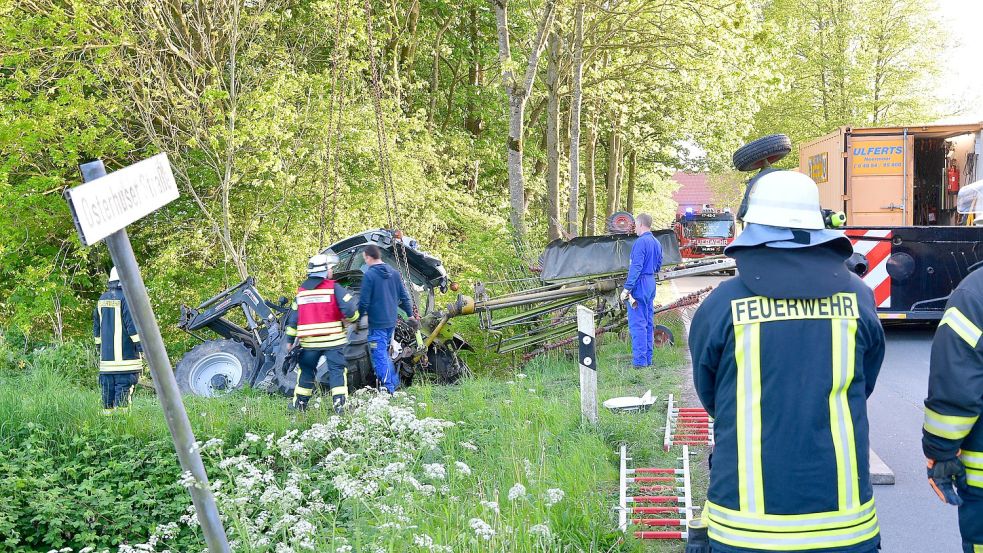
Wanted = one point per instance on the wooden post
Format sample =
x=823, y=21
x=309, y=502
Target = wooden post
x=588, y=364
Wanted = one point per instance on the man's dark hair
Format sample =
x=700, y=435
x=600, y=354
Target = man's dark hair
x=644, y=219
x=373, y=251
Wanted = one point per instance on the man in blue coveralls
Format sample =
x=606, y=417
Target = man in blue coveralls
x=639, y=292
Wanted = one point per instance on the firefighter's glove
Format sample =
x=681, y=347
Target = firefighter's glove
x=363, y=322
x=945, y=477
x=625, y=294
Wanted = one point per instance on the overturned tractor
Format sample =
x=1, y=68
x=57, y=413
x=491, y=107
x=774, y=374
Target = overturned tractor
x=255, y=353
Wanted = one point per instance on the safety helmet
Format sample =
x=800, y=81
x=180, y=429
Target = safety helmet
x=784, y=199
x=113, y=275
x=320, y=263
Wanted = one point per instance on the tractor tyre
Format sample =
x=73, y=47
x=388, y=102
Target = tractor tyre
x=215, y=368
x=445, y=363
x=360, y=373
x=762, y=152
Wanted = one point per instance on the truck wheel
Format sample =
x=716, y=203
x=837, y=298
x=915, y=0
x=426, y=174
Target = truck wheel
x=214, y=368
x=762, y=152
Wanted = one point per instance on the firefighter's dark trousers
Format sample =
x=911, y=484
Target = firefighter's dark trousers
x=971, y=519
x=117, y=389
x=327, y=363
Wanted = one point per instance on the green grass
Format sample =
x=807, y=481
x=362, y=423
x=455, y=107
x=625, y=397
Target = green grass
x=527, y=429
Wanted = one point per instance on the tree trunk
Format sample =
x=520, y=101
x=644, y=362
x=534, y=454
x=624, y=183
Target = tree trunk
x=590, y=202
x=612, y=173
x=575, y=100
x=518, y=92
x=632, y=167
x=553, y=139
x=472, y=121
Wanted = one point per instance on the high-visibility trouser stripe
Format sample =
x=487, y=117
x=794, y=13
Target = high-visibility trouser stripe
x=747, y=339
x=978, y=548
x=954, y=319
x=324, y=341
x=795, y=541
x=948, y=426
x=339, y=391
x=974, y=477
x=135, y=338
x=98, y=340
x=840, y=418
x=972, y=459
x=120, y=366
x=810, y=522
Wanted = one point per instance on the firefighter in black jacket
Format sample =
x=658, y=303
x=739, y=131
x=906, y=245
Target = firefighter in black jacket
x=119, y=347
x=784, y=357
x=315, y=320
x=952, y=436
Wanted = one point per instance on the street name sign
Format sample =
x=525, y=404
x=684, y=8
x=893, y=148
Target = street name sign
x=102, y=206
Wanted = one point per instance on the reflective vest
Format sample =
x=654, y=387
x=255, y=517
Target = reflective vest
x=787, y=382
x=319, y=315
x=115, y=334
x=955, y=384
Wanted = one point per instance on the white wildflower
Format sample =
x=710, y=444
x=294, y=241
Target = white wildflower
x=491, y=505
x=252, y=438
x=463, y=468
x=482, y=529
x=517, y=491
x=553, y=496
x=437, y=471
x=532, y=390
x=530, y=473
x=541, y=530
x=214, y=443
x=469, y=446
x=521, y=376
x=422, y=540
x=344, y=549
x=510, y=381
x=187, y=479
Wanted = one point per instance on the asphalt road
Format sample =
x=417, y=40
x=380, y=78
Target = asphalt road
x=912, y=518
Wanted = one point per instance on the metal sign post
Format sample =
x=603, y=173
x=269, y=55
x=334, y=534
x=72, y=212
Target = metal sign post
x=102, y=208
x=588, y=363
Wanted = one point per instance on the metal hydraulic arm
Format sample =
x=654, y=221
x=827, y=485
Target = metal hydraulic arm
x=259, y=313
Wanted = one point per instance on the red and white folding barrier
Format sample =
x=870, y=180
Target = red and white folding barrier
x=677, y=501
x=687, y=426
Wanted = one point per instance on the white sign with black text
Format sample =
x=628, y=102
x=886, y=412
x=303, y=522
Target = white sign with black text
x=102, y=206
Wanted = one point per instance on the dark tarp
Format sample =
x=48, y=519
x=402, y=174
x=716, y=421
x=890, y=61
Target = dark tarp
x=598, y=255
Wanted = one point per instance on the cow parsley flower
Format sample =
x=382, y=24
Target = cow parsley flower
x=463, y=468
x=491, y=505
x=469, y=446
x=541, y=530
x=437, y=471
x=553, y=496
x=482, y=529
x=517, y=491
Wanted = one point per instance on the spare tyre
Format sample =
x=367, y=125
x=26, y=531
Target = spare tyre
x=215, y=368
x=762, y=152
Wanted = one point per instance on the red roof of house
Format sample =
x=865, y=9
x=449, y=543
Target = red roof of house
x=692, y=192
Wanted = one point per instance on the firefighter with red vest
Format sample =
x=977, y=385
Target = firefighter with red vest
x=316, y=321
x=952, y=435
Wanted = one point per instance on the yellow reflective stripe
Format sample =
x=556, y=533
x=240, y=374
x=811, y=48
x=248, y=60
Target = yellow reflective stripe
x=318, y=292
x=320, y=332
x=98, y=341
x=794, y=541
x=954, y=319
x=841, y=421
x=978, y=548
x=122, y=363
x=300, y=391
x=333, y=324
x=291, y=331
x=974, y=477
x=294, y=305
x=972, y=459
x=118, y=333
x=339, y=390
x=948, y=426
x=353, y=318
x=750, y=479
x=135, y=338
x=323, y=341
x=829, y=520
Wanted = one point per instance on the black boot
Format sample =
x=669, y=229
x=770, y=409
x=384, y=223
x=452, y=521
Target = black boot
x=339, y=403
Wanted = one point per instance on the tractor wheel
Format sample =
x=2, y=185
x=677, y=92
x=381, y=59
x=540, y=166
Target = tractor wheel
x=663, y=336
x=762, y=152
x=446, y=365
x=215, y=368
x=360, y=372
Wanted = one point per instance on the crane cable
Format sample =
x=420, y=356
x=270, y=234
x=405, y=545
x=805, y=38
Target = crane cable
x=338, y=82
x=385, y=167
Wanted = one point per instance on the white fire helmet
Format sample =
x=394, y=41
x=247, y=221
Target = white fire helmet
x=113, y=275
x=785, y=199
x=320, y=263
